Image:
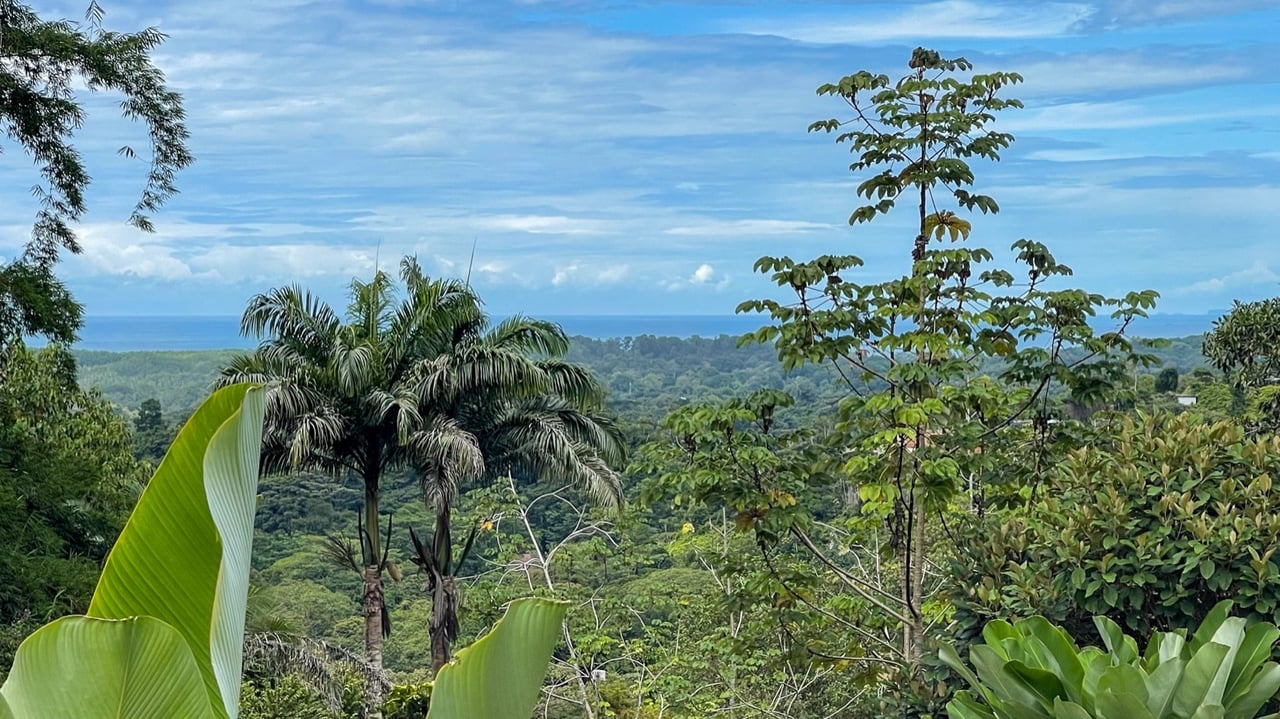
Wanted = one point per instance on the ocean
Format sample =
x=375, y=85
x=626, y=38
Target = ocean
x=119, y=333
x=185, y=333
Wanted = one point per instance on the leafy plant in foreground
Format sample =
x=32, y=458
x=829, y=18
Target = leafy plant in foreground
x=163, y=634
x=1032, y=669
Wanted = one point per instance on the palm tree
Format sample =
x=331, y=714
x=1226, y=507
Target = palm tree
x=344, y=398
x=517, y=409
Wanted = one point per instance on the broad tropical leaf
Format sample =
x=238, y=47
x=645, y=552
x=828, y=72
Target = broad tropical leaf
x=164, y=634
x=138, y=668
x=499, y=676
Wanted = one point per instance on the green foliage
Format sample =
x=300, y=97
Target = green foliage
x=178, y=380
x=1263, y=411
x=1167, y=380
x=49, y=61
x=163, y=636
x=1242, y=345
x=1245, y=343
x=1032, y=669
x=1159, y=518
x=67, y=480
x=408, y=701
x=151, y=435
x=284, y=698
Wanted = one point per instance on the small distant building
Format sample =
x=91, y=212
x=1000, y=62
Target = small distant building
x=525, y=563
x=1186, y=400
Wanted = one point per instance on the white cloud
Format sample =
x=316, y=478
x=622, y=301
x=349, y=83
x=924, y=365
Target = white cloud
x=542, y=224
x=1127, y=13
x=1258, y=273
x=579, y=273
x=1122, y=116
x=1117, y=71
x=704, y=275
x=124, y=251
x=282, y=262
x=713, y=228
x=944, y=19
x=1081, y=154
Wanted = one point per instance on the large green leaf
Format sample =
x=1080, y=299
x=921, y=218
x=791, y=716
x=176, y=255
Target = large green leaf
x=1060, y=654
x=1012, y=690
x=1120, y=706
x=1259, y=691
x=1199, y=680
x=1254, y=651
x=964, y=706
x=949, y=656
x=1212, y=621
x=1069, y=710
x=500, y=676
x=137, y=668
x=1162, y=683
x=183, y=557
x=1124, y=679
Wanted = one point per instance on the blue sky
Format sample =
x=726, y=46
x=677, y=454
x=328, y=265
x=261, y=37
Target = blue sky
x=635, y=157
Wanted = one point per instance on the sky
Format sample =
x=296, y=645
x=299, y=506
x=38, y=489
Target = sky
x=637, y=156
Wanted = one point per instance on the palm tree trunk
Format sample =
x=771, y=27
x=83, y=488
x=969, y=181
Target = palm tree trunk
x=444, y=621
x=373, y=641
x=374, y=602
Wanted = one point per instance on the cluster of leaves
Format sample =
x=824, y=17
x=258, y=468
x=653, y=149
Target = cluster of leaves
x=1032, y=669
x=1160, y=517
x=67, y=480
x=1244, y=342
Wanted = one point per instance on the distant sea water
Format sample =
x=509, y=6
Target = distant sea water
x=206, y=332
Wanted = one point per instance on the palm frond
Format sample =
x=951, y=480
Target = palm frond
x=288, y=312
x=496, y=371
x=314, y=437
x=369, y=303
x=538, y=441
x=447, y=457
x=529, y=337
x=430, y=321
x=318, y=664
x=353, y=365
x=398, y=408
x=342, y=552
x=574, y=383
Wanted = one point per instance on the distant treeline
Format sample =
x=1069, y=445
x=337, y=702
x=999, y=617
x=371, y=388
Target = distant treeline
x=647, y=376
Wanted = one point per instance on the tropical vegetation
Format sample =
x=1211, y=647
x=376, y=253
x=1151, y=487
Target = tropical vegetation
x=964, y=488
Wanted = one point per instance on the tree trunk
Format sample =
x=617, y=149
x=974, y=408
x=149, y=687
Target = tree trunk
x=444, y=621
x=373, y=601
x=913, y=583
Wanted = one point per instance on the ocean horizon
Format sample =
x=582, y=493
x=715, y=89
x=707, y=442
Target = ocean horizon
x=134, y=333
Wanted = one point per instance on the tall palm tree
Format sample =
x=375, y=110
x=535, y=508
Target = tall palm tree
x=524, y=412
x=344, y=398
